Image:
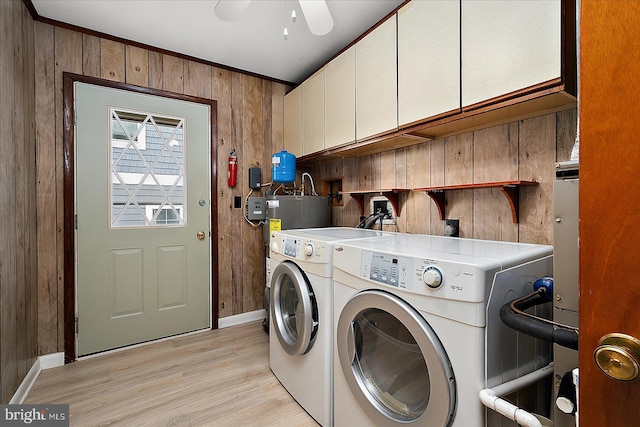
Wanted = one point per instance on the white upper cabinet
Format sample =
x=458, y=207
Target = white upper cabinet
x=376, y=81
x=428, y=59
x=293, y=122
x=340, y=99
x=508, y=45
x=313, y=113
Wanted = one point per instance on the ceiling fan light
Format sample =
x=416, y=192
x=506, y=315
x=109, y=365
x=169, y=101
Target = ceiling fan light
x=317, y=15
x=230, y=10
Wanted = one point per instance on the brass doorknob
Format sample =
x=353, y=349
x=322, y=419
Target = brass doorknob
x=618, y=356
x=200, y=235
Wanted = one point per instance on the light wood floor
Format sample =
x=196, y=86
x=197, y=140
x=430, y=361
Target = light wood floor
x=213, y=378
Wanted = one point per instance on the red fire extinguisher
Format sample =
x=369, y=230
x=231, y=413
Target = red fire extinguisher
x=233, y=168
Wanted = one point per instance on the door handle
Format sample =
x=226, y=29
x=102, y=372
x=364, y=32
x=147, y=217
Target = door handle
x=200, y=235
x=618, y=356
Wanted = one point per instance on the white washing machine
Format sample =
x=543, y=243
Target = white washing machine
x=301, y=310
x=417, y=328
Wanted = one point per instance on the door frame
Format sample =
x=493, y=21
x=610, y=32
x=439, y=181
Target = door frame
x=68, y=96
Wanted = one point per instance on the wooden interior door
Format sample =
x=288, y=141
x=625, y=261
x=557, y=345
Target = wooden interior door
x=609, y=202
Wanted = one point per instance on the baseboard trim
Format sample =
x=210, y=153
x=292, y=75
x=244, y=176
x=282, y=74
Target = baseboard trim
x=239, y=319
x=47, y=361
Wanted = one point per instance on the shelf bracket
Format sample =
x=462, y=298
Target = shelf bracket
x=438, y=198
x=510, y=189
x=394, y=199
x=512, y=193
x=360, y=199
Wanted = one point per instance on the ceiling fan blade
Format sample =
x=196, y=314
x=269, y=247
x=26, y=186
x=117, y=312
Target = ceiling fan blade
x=230, y=10
x=317, y=15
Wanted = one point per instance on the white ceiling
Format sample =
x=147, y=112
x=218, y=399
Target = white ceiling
x=253, y=43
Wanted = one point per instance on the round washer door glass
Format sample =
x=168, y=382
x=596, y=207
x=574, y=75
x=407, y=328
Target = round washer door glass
x=294, y=309
x=394, y=362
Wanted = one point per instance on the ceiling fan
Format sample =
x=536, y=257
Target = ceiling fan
x=315, y=12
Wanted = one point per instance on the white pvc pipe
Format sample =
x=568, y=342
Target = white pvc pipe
x=490, y=397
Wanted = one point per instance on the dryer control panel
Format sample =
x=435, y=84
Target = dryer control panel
x=300, y=249
x=427, y=276
x=387, y=269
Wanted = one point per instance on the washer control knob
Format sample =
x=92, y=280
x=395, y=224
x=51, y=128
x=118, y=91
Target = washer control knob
x=274, y=246
x=308, y=249
x=432, y=277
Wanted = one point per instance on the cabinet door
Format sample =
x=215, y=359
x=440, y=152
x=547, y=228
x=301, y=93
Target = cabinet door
x=508, y=45
x=313, y=113
x=428, y=59
x=340, y=99
x=293, y=122
x=376, y=81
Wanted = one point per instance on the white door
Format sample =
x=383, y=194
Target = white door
x=142, y=177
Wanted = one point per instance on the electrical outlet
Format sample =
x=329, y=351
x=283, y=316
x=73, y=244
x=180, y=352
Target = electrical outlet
x=452, y=227
x=383, y=205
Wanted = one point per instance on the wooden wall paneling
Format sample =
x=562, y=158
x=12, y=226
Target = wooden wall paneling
x=8, y=250
x=495, y=158
x=237, y=221
x=252, y=150
x=417, y=210
x=458, y=158
x=401, y=167
x=537, y=163
x=67, y=58
x=492, y=219
x=459, y=206
x=350, y=182
x=437, y=178
x=566, y=130
x=155, y=69
x=400, y=156
x=22, y=177
x=221, y=91
x=137, y=66
x=387, y=170
x=46, y=188
x=172, y=74
x=495, y=154
x=197, y=79
x=112, y=60
x=267, y=132
x=30, y=126
x=368, y=168
x=278, y=91
x=91, y=55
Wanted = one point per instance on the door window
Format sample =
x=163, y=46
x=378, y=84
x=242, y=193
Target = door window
x=147, y=174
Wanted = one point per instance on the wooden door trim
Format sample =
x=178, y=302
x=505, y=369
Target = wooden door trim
x=69, y=196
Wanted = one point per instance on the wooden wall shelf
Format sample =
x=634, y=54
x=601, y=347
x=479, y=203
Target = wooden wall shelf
x=511, y=190
x=391, y=194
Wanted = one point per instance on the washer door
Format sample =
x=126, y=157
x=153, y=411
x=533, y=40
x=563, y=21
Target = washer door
x=394, y=362
x=294, y=309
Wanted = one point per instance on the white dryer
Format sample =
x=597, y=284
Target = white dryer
x=301, y=310
x=417, y=329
